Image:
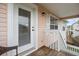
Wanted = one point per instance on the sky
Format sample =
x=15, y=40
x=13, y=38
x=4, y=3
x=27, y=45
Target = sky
x=72, y=21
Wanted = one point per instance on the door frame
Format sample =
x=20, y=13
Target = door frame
x=30, y=45
x=13, y=24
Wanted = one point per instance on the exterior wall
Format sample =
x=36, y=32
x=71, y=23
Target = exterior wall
x=45, y=36
x=3, y=24
x=43, y=39
x=41, y=27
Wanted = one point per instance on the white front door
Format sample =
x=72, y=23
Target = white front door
x=26, y=27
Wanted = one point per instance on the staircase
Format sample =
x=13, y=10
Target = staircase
x=62, y=39
x=59, y=43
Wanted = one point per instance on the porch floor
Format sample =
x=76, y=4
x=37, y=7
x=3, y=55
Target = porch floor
x=45, y=51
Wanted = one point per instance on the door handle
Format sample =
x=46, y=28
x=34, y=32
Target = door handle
x=33, y=30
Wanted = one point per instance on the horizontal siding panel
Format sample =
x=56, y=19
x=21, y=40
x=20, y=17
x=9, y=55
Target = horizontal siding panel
x=3, y=15
x=3, y=33
x=3, y=39
x=3, y=11
x=3, y=43
x=3, y=29
x=3, y=6
x=2, y=20
x=3, y=24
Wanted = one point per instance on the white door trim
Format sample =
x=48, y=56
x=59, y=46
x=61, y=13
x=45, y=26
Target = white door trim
x=12, y=24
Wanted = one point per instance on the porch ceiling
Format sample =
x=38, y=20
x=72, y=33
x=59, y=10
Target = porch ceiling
x=62, y=9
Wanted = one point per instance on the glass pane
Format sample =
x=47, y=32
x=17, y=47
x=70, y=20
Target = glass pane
x=55, y=20
x=24, y=27
x=52, y=21
x=52, y=26
x=56, y=27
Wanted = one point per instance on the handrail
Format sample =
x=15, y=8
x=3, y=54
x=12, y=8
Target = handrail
x=62, y=38
x=6, y=49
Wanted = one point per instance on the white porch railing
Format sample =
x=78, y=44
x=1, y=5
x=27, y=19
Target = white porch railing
x=54, y=45
x=73, y=49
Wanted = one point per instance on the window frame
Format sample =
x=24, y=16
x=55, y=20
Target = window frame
x=53, y=23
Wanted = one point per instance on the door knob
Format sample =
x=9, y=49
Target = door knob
x=33, y=30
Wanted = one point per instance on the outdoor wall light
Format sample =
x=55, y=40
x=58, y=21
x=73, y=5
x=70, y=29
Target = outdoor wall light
x=43, y=13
